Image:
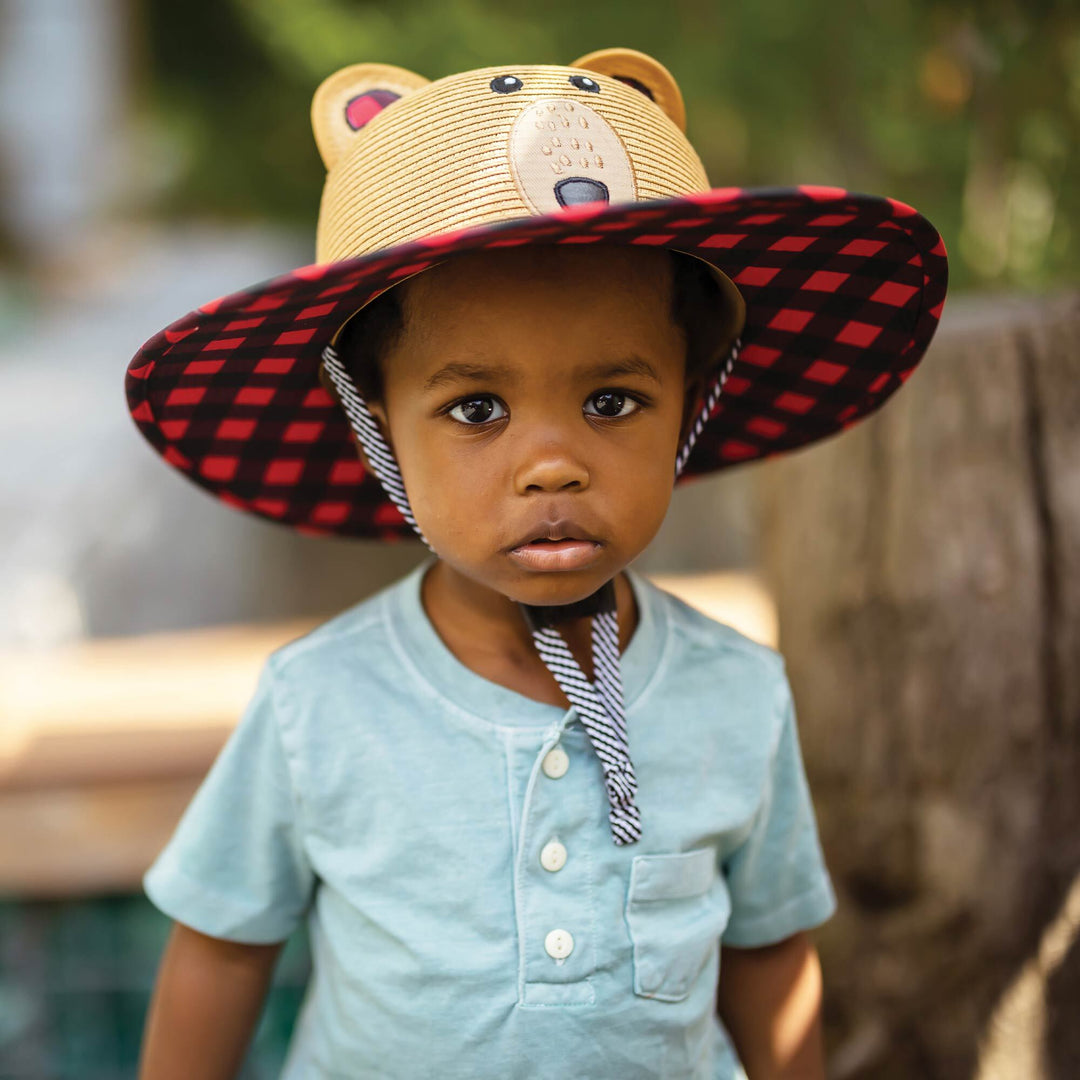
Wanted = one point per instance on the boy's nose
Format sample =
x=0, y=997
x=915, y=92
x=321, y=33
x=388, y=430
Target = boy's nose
x=555, y=471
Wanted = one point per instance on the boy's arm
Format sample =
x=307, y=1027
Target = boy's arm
x=770, y=1001
x=207, y=998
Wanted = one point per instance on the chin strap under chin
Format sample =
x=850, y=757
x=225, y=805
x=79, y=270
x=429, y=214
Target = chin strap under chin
x=598, y=703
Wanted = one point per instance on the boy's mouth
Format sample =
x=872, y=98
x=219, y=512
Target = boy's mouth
x=556, y=545
x=555, y=532
x=566, y=554
x=564, y=543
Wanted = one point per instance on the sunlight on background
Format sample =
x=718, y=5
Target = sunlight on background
x=1015, y=1041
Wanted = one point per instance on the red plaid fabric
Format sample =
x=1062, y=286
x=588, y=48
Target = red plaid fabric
x=843, y=294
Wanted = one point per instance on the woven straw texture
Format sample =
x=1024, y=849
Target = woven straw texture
x=440, y=159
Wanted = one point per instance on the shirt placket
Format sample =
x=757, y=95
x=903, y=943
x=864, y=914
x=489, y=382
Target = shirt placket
x=554, y=869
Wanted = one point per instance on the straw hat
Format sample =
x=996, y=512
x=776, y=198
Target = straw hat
x=837, y=294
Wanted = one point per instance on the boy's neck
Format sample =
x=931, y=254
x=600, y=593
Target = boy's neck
x=487, y=631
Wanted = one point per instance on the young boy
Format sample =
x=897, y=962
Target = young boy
x=542, y=818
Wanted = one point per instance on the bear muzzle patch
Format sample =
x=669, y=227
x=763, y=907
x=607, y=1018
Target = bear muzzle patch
x=564, y=153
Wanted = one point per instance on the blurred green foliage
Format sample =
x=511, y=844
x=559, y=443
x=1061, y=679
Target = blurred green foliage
x=970, y=113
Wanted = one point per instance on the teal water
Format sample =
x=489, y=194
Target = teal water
x=75, y=983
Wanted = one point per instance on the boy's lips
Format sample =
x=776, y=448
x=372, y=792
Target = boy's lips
x=563, y=529
x=556, y=555
x=556, y=545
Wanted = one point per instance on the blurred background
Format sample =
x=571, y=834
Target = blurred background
x=921, y=573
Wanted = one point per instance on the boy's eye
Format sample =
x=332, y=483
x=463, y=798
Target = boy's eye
x=481, y=409
x=475, y=410
x=612, y=403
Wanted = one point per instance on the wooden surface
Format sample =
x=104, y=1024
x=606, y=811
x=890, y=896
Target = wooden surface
x=926, y=566
x=127, y=708
x=102, y=744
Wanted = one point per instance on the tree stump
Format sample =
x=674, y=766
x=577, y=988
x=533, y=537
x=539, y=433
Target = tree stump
x=926, y=564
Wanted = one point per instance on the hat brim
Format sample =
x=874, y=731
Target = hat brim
x=843, y=293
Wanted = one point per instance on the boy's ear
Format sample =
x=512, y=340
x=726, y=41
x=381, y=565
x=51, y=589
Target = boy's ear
x=348, y=99
x=643, y=73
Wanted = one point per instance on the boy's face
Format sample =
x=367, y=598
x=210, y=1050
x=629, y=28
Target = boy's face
x=532, y=385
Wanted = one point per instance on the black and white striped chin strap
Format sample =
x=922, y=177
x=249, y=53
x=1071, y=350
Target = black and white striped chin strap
x=600, y=703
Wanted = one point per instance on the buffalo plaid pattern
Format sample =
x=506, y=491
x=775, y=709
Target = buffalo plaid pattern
x=843, y=294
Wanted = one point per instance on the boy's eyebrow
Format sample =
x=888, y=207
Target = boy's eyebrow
x=461, y=370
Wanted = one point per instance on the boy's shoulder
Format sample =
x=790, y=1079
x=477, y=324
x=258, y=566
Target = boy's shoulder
x=699, y=633
x=363, y=620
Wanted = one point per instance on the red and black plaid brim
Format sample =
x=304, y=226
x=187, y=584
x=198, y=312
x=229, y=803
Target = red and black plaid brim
x=843, y=294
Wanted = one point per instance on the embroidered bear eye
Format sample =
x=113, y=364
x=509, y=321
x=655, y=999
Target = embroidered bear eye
x=506, y=84
x=583, y=82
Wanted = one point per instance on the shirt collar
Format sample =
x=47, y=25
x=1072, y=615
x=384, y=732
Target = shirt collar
x=481, y=697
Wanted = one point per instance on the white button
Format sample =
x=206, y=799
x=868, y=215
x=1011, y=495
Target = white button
x=556, y=762
x=553, y=857
x=559, y=944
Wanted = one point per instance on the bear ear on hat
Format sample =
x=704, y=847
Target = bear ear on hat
x=348, y=99
x=643, y=73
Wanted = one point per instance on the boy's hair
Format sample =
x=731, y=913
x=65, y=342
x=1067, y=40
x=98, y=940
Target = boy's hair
x=697, y=307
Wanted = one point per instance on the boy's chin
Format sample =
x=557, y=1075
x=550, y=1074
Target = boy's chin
x=540, y=588
x=552, y=589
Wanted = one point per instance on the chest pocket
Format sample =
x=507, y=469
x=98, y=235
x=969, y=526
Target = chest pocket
x=676, y=909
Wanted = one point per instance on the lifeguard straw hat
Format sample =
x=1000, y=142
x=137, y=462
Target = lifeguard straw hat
x=843, y=291
x=830, y=297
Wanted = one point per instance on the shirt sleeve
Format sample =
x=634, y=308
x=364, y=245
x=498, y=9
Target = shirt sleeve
x=777, y=877
x=235, y=867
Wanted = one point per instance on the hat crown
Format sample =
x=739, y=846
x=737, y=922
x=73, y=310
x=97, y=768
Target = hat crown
x=407, y=158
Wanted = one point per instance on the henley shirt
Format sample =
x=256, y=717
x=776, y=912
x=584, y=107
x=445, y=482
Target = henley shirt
x=446, y=839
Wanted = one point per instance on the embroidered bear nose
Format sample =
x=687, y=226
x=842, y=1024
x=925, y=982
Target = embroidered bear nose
x=575, y=190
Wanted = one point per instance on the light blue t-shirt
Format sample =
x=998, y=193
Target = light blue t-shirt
x=447, y=840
